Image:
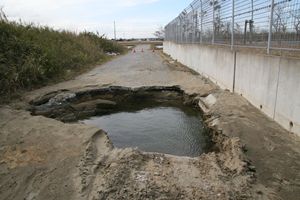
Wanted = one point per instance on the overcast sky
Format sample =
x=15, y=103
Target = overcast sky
x=134, y=18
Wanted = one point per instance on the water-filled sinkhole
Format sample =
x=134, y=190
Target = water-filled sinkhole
x=163, y=129
x=162, y=120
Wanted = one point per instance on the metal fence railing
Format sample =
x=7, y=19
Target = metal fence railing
x=270, y=24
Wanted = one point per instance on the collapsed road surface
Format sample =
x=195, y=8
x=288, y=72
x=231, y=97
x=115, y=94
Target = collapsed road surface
x=44, y=158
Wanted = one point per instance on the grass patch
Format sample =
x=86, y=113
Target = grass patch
x=32, y=56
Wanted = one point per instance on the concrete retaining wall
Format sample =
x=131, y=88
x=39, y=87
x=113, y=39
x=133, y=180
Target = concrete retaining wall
x=214, y=63
x=270, y=83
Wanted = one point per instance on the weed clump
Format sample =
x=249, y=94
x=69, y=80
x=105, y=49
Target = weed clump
x=32, y=56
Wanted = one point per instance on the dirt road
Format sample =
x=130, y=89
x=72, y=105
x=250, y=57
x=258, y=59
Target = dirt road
x=42, y=158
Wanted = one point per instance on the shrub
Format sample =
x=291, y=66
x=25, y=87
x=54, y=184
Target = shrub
x=31, y=56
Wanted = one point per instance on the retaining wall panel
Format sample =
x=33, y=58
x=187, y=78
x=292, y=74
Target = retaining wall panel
x=256, y=79
x=288, y=97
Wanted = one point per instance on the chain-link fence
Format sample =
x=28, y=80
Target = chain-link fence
x=270, y=24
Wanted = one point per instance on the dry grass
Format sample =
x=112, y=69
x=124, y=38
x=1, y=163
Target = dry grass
x=32, y=56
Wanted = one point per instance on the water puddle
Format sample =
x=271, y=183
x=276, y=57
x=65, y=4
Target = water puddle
x=172, y=130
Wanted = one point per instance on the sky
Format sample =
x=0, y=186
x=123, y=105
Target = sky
x=134, y=18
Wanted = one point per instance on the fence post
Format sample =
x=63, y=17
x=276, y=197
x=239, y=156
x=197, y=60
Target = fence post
x=201, y=21
x=213, y=23
x=270, y=27
x=180, y=29
x=251, y=22
x=232, y=26
x=193, y=25
x=177, y=32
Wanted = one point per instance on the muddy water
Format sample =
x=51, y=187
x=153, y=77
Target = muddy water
x=171, y=130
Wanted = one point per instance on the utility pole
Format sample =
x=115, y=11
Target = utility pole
x=115, y=33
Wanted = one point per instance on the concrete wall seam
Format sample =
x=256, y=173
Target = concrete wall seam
x=277, y=86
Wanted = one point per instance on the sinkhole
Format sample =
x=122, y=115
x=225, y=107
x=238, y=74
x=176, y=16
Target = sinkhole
x=177, y=130
x=152, y=119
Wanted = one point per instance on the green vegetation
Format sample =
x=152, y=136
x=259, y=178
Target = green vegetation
x=32, y=56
